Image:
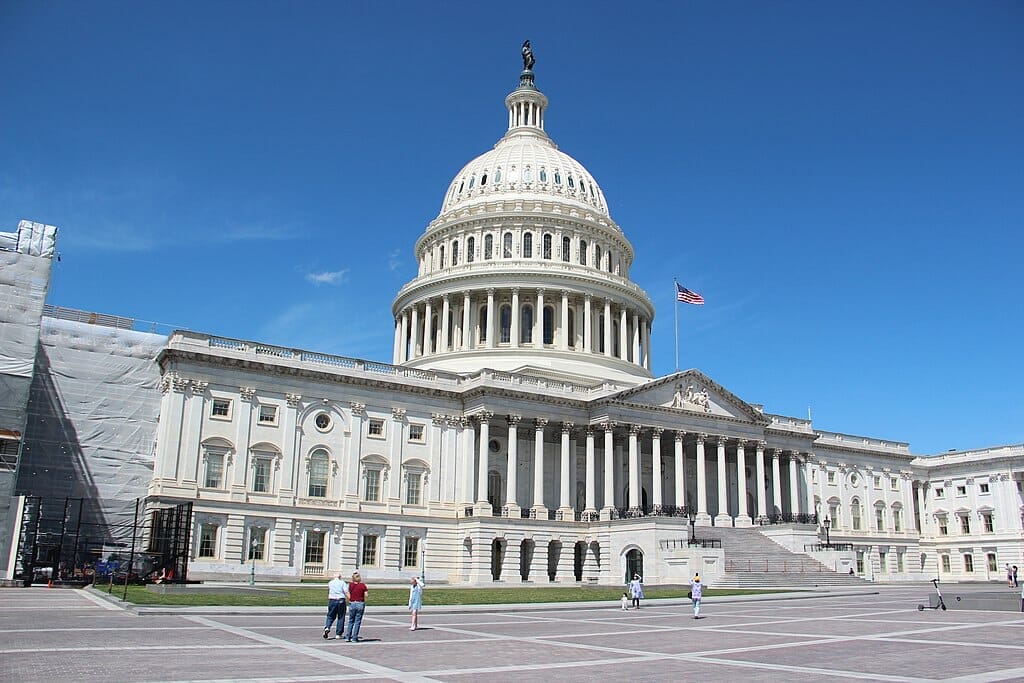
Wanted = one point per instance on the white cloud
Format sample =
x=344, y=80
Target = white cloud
x=394, y=263
x=334, y=277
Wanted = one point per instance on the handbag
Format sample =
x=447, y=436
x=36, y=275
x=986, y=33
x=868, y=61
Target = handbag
x=690, y=595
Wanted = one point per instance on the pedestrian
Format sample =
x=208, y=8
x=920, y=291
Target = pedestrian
x=336, y=589
x=625, y=601
x=636, y=590
x=696, y=593
x=356, y=596
x=1009, y=575
x=1015, y=584
x=415, y=602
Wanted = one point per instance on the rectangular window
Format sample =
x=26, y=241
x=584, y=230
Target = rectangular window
x=965, y=524
x=883, y=562
x=879, y=519
x=899, y=562
x=268, y=415
x=314, y=547
x=860, y=561
x=986, y=518
x=814, y=476
x=318, y=476
x=369, y=551
x=416, y=433
x=832, y=477
x=208, y=540
x=412, y=491
x=894, y=484
x=945, y=564
x=412, y=552
x=897, y=520
x=257, y=543
x=943, y=529
x=961, y=490
x=991, y=560
x=940, y=493
x=221, y=408
x=372, y=485
x=983, y=488
x=214, y=471
x=877, y=481
x=261, y=475
x=375, y=428
x=969, y=563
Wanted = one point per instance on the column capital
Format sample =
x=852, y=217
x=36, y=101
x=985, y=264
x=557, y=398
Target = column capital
x=490, y=291
x=589, y=431
x=515, y=290
x=439, y=419
x=247, y=393
x=540, y=423
x=701, y=437
x=761, y=446
x=657, y=432
x=513, y=420
x=398, y=414
x=199, y=388
x=718, y=439
x=588, y=297
x=680, y=435
x=358, y=408
x=293, y=399
x=607, y=426
x=565, y=293
x=776, y=453
x=568, y=427
x=484, y=415
x=635, y=429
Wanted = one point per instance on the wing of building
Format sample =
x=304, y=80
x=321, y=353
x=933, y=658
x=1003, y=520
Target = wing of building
x=517, y=435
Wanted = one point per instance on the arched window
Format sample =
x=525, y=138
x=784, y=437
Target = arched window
x=855, y=514
x=600, y=333
x=455, y=252
x=482, y=324
x=547, y=246
x=571, y=334
x=527, y=175
x=488, y=247
x=483, y=180
x=506, y=247
x=558, y=178
x=470, y=249
x=549, y=325
x=440, y=257
x=497, y=176
x=543, y=176
x=597, y=256
x=566, y=248
x=572, y=183
x=434, y=327
x=526, y=325
x=608, y=263
x=583, y=252
x=318, y=473
x=505, y=313
x=615, y=338
x=472, y=181
x=527, y=245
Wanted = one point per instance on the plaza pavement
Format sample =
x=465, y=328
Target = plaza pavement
x=873, y=634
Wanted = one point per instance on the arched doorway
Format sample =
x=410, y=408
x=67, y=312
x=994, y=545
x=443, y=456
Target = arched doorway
x=634, y=564
x=579, y=555
x=497, y=555
x=525, y=559
x=554, y=554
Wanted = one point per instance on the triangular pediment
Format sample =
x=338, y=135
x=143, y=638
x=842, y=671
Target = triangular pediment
x=691, y=392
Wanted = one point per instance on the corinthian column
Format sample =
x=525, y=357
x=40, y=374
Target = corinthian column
x=538, y=469
x=776, y=482
x=516, y=315
x=483, y=507
x=564, y=498
x=608, y=511
x=512, y=469
x=742, y=516
x=590, y=507
x=634, y=468
x=762, y=505
x=446, y=312
x=794, y=485
x=680, y=469
x=656, y=468
x=723, y=518
x=703, y=518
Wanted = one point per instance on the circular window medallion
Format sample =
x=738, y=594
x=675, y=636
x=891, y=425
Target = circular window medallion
x=853, y=480
x=494, y=446
x=322, y=422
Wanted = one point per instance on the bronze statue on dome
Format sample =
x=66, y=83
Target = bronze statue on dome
x=528, y=60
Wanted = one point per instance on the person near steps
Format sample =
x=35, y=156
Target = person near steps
x=696, y=593
x=415, y=602
x=356, y=595
x=336, y=589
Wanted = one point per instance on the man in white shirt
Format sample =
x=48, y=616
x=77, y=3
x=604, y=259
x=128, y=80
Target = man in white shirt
x=336, y=589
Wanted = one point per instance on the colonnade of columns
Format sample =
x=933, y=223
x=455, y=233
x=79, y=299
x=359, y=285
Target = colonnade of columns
x=514, y=318
x=603, y=448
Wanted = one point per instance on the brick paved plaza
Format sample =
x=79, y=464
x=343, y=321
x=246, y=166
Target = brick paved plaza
x=52, y=634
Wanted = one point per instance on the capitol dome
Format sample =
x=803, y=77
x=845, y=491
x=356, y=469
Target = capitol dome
x=524, y=270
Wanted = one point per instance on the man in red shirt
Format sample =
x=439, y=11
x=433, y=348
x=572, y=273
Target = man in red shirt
x=356, y=596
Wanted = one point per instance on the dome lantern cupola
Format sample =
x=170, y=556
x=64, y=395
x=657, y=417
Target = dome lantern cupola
x=526, y=104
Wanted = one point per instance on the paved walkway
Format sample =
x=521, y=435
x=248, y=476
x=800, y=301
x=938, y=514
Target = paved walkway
x=878, y=635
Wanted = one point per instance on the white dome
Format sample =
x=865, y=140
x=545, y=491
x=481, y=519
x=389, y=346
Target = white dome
x=526, y=164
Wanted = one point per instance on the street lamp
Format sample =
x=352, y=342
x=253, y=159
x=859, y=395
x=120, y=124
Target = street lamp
x=693, y=519
x=423, y=564
x=828, y=523
x=252, y=554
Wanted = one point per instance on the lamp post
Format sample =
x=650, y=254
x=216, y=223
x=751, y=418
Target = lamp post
x=423, y=563
x=693, y=520
x=252, y=556
x=828, y=523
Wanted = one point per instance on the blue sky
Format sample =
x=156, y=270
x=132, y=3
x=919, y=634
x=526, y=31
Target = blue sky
x=841, y=181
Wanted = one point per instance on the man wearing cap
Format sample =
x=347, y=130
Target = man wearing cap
x=696, y=593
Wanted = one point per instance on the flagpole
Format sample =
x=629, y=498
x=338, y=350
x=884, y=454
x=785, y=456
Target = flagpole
x=675, y=296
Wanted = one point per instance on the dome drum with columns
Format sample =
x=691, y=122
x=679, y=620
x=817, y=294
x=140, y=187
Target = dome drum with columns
x=524, y=270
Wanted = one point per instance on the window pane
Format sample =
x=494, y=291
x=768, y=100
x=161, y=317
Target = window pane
x=261, y=475
x=314, y=547
x=318, y=475
x=369, y=550
x=506, y=324
x=412, y=496
x=412, y=554
x=208, y=540
x=528, y=245
x=214, y=471
x=372, y=485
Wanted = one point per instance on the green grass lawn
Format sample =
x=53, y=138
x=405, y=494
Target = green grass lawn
x=317, y=596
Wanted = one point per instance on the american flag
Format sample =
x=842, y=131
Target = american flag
x=688, y=297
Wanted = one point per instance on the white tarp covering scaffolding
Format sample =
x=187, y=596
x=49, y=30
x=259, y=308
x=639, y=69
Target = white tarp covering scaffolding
x=93, y=413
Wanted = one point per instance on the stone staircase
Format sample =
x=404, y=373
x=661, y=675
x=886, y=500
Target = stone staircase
x=753, y=560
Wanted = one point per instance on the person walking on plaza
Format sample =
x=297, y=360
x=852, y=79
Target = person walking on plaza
x=415, y=602
x=336, y=589
x=625, y=601
x=636, y=590
x=356, y=596
x=1009, y=575
x=696, y=593
x=1014, y=570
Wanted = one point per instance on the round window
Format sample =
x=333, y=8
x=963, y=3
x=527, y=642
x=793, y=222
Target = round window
x=853, y=480
x=494, y=446
x=323, y=422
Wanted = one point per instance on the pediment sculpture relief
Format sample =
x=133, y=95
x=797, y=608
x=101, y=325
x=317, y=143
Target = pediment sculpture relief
x=691, y=399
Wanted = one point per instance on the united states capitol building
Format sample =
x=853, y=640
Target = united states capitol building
x=518, y=433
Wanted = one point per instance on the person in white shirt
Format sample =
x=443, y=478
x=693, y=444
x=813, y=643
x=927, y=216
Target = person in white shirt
x=696, y=593
x=336, y=589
